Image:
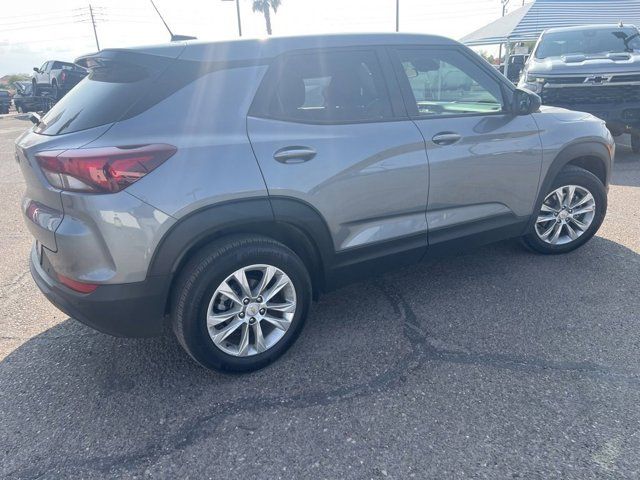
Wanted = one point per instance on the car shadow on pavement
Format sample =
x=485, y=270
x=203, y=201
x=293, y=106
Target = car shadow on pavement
x=80, y=402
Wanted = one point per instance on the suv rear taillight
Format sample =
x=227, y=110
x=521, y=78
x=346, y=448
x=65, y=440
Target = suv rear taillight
x=102, y=170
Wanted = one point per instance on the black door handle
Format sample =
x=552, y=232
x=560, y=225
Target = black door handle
x=294, y=154
x=446, y=138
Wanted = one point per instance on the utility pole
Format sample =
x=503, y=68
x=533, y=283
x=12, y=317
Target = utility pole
x=93, y=22
x=397, y=15
x=238, y=13
x=504, y=11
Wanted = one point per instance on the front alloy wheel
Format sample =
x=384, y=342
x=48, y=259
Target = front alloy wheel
x=569, y=214
x=565, y=215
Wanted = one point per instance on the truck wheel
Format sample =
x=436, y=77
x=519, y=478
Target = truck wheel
x=55, y=92
x=20, y=109
x=34, y=88
x=635, y=143
x=240, y=303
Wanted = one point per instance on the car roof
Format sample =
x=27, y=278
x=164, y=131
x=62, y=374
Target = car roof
x=252, y=49
x=589, y=27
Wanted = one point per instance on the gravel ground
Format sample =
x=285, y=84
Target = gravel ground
x=495, y=364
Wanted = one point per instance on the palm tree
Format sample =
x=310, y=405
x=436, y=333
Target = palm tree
x=265, y=7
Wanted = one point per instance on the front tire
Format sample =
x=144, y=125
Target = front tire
x=570, y=213
x=240, y=303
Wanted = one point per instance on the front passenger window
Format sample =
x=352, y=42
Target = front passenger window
x=444, y=82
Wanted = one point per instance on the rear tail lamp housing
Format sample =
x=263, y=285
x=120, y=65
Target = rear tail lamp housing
x=102, y=170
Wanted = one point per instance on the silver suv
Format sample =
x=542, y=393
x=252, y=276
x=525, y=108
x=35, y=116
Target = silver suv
x=220, y=187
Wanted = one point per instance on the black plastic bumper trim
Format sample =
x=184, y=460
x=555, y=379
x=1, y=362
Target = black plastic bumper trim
x=124, y=310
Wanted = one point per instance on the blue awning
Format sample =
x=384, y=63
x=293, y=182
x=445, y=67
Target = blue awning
x=528, y=22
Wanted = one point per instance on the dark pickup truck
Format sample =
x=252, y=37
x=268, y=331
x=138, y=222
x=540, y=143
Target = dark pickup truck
x=56, y=77
x=24, y=100
x=593, y=69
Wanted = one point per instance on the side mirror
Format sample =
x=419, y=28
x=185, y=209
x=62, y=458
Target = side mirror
x=36, y=69
x=525, y=102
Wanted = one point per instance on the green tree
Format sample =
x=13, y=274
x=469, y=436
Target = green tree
x=265, y=7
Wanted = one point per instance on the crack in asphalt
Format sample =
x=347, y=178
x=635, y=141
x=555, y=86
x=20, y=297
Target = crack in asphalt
x=423, y=349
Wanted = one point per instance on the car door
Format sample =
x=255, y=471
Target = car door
x=484, y=161
x=329, y=130
x=41, y=76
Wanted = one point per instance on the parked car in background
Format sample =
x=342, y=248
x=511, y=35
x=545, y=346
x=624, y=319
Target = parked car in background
x=23, y=100
x=5, y=101
x=298, y=164
x=593, y=68
x=56, y=77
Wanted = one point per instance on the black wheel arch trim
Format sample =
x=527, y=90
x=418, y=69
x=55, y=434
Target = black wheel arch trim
x=297, y=225
x=589, y=149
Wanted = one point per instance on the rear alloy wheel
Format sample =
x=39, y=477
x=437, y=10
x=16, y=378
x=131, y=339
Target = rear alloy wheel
x=570, y=213
x=251, y=310
x=240, y=303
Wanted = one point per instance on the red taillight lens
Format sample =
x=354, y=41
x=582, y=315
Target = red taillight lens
x=63, y=76
x=102, y=170
x=79, y=287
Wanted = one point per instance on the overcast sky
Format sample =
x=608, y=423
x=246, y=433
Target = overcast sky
x=34, y=31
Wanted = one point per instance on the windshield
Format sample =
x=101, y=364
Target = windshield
x=591, y=41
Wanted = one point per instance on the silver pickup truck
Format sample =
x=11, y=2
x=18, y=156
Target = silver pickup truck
x=594, y=69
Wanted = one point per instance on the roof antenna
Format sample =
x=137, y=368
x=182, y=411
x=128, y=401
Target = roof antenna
x=174, y=38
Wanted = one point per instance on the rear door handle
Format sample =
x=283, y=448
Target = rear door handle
x=294, y=154
x=446, y=138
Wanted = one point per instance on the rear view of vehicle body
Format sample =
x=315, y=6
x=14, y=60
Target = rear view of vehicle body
x=56, y=77
x=222, y=186
x=595, y=69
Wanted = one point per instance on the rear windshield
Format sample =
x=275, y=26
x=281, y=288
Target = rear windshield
x=66, y=66
x=588, y=42
x=120, y=85
x=107, y=94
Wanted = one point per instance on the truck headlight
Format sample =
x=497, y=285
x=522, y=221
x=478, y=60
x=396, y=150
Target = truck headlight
x=532, y=82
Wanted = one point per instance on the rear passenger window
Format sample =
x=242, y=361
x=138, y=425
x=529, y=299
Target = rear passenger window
x=327, y=87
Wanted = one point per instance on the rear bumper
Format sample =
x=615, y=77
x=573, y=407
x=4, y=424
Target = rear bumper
x=125, y=310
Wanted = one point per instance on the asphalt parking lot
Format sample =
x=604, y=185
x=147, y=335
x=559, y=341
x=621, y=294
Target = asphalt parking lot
x=495, y=364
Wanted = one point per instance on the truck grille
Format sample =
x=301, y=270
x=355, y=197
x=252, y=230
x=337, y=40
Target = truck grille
x=591, y=95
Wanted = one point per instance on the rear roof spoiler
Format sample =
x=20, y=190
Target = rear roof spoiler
x=168, y=50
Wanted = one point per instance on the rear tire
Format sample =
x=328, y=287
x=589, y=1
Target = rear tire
x=224, y=334
x=563, y=226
